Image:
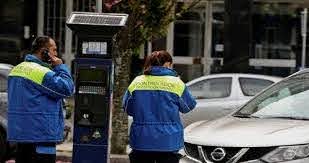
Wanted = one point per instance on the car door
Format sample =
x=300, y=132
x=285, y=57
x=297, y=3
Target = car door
x=3, y=94
x=215, y=98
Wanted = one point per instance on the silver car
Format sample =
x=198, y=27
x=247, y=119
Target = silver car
x=272, y=127
x=220, y=94
x=5, y=148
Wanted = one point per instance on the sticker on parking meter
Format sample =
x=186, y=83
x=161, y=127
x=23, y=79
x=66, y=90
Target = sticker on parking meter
x=94, y=48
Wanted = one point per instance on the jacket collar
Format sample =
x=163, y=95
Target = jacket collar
x=33, y=58
x=162, y=71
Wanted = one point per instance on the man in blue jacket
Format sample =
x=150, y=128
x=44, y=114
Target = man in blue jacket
x=36, y=88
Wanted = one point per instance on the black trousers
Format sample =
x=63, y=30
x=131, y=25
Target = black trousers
x=153, y=157
x=26, y=153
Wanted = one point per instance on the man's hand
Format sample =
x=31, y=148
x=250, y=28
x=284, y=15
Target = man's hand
x=55, y=60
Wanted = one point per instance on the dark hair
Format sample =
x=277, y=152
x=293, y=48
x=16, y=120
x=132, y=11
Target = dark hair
x=157, y=58
x=39, y=43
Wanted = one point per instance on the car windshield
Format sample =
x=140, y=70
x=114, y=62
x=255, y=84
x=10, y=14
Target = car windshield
x=286, y=99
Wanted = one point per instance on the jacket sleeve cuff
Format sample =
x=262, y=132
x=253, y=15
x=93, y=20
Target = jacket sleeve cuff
x=61, y=67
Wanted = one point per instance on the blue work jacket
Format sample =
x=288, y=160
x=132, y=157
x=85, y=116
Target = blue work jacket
x=154, y=101
x=35, y=93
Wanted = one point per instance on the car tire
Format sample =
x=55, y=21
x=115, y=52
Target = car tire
x=3, y=147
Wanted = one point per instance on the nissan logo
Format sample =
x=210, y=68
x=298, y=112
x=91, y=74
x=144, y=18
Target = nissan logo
x=218, y=154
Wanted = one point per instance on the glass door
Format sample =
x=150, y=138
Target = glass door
x=11, y=30
x=276, y=38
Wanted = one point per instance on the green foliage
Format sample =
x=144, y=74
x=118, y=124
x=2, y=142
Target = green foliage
x=148, y=19
x=277, y=9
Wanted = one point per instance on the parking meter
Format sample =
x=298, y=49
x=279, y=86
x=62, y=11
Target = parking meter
x=93, y=76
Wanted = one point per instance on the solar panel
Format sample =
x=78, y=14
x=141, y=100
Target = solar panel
x=100, y=19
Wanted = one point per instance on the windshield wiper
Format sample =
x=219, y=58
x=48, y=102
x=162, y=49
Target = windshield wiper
x=285, y=117
x=245, y=116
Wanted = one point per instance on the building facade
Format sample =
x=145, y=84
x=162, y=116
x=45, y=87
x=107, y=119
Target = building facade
x=256, y=36
x=22, y=20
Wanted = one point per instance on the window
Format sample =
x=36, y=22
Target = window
x=189, y=32
x=276, y=34
x=251, y=87
x=212, y=88
x=3, y=84
x=217, y=30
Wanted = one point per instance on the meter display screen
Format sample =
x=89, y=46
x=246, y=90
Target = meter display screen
x=93, y=75
x=98, y=48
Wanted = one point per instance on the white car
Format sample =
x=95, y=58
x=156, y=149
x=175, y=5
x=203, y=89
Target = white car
x=219, y=94
x=5, y=148
x=4, y=72
x=273, y=127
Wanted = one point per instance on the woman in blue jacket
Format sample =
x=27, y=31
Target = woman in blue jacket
x=154, y=100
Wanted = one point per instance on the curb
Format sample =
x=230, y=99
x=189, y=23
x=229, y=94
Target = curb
x=64, y=153
x=119, y=159
x=113, y=158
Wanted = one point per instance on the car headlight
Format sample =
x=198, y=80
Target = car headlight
x=287, y=153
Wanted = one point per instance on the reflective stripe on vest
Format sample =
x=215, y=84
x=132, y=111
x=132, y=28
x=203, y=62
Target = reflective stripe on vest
x=163, y=83
x=30, y=70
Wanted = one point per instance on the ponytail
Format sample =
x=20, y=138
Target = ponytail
x=157, y=58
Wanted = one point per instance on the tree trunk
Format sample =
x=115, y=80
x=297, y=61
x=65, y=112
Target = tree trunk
x=120, y=118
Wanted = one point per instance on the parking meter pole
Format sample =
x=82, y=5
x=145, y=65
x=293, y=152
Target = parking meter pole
x=93, y=76
x=304, y=36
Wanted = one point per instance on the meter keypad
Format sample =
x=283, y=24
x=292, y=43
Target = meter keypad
x=92, y=90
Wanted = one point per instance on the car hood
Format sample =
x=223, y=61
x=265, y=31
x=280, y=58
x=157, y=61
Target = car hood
x=248, y=132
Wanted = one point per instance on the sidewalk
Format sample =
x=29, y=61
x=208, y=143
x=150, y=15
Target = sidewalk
x=64, y=154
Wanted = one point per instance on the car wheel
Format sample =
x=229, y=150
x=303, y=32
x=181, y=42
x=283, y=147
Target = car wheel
x=3, y=146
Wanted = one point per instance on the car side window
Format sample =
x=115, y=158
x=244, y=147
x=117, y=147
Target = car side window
x=3, y=84
x=252, y=86
x=212, y=88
